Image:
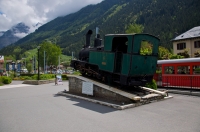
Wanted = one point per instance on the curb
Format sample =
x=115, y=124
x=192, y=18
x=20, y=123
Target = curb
x=119, y=107
x=184, y=92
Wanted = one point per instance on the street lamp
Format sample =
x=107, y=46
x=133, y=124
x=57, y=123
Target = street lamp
x=38, y=63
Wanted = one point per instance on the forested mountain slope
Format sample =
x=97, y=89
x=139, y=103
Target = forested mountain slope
x=161, y=18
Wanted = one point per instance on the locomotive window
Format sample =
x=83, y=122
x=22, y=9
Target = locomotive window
x=146, y=48
x=119, y=44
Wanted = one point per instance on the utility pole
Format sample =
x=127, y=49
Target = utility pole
x=32, y=64
x=38, y=63
x=59, y=62
x=44, y=62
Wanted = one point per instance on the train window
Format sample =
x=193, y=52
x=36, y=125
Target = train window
x=196, y=69
x=169, y=70
x=183, y=70
x=119, y=44
x=146, y=48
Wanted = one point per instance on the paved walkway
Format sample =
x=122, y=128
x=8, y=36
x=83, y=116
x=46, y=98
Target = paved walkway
x=37, y=108
x=14, y=86
x=182, y=91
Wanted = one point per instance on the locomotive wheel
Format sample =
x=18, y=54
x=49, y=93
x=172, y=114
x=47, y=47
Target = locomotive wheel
x=89, y=74
x=83, y=72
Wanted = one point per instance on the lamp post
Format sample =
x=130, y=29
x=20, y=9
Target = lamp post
x=24, y=61
x=38, y=63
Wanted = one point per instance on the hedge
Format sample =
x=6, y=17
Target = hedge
x=5, y=80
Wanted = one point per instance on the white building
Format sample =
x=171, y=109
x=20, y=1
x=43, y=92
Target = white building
x=189, y=40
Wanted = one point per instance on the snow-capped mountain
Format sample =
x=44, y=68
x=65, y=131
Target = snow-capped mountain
x=1, y=33
x=15, y=33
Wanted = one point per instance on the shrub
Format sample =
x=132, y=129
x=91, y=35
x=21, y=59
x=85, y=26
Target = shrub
x=46, y=76
x=30, y=75
x=6, y=80
x=1, y=81
x=34, y=77
x=16, y=78
x=152, y=85
x=25, y=78
x=43, y=76
x=77, y=73
x=11, y=75
x=64, y=77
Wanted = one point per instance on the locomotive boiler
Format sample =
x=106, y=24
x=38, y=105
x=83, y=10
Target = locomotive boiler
x=120, y=59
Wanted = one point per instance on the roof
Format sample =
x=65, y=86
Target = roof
x=186, y=60
x=122, y=35
x=192, y=33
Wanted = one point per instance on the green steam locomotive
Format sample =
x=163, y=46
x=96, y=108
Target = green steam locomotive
x=121, y=59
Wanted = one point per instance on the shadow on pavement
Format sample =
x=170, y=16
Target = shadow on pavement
x=90, y=106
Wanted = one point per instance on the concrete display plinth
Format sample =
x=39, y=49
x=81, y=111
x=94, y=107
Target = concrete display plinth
x=106, y=95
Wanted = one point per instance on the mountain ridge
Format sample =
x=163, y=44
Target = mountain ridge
x=17, y=32
x=159, y=18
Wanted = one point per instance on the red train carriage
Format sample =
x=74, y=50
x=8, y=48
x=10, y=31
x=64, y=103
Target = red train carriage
x=184, y=73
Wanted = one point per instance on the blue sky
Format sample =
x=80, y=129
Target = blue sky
x=31, y=12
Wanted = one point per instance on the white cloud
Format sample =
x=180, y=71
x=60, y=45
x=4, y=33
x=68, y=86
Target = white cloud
x=31, y=12
x=20, y=35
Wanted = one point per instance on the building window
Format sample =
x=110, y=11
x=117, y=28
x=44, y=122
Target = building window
x=181, y=46
x=197, y=44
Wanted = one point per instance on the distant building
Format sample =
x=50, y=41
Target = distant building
x=1, y=62
x=189, y=40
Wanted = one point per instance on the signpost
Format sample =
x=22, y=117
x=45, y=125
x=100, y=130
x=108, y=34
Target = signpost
x=59, y=79
x=1, y=59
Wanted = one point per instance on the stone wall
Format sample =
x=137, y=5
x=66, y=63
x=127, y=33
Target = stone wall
x=99, y=90
x=36, y=82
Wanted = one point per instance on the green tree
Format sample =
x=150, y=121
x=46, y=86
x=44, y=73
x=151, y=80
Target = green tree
x=163, y=53
x=134, y=28
x=197, y=53
x=29, y=67
x=185, y=53
x=146, y=48
x=17, y=52
x=176, y=57
x=52, y=52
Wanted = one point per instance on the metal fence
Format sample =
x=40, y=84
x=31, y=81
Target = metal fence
x=178, y=81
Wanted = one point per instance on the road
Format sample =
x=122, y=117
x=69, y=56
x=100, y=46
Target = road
x=37, y=109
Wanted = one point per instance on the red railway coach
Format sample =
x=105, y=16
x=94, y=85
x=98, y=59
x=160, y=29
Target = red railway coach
x=184, y=73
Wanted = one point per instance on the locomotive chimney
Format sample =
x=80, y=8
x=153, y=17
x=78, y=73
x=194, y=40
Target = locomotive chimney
x=89, y=33
x=97, y=32
x=97, y=41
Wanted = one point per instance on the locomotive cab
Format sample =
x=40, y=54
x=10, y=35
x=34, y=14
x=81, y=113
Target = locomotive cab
x=123, y=56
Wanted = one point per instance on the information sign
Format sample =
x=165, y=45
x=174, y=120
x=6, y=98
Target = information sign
x=87, y=88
